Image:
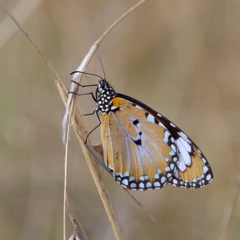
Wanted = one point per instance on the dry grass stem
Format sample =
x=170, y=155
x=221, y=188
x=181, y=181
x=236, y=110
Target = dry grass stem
x=94, y=166
x=78, y=232
x=230, y=207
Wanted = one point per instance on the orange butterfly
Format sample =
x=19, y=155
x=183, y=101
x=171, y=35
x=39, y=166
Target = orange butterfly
x=143, y=149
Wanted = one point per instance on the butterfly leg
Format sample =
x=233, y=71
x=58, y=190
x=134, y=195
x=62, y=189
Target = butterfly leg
x=95, y=111
x=82, y=94
x=90, y=85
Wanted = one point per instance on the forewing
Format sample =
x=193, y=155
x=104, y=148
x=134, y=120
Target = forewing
x=140, y=154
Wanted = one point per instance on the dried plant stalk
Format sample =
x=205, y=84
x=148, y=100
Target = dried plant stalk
x=94, y=166
x=230, y=206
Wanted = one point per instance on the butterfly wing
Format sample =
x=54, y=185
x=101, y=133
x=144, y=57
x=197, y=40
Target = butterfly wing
x=143, y=150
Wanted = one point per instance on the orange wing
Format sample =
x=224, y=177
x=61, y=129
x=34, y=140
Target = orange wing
x=143, y=150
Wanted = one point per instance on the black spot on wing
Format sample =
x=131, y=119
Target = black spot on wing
x=138, y=141
x=135, y=122
x=156, y=121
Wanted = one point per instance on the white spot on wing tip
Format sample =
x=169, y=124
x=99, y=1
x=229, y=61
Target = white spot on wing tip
x=138, y=107
x=208, y=177
x=166, y=136
x=150, y=118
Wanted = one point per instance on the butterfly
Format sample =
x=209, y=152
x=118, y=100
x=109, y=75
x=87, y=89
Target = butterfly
x=142, y=149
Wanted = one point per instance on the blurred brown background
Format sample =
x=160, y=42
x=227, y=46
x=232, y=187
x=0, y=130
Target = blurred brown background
x=180, y=57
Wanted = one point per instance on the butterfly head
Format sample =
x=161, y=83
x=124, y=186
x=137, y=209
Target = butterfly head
x=104, y=95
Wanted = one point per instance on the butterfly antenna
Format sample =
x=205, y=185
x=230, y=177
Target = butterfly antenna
x=102, y=67
x=92, y=74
